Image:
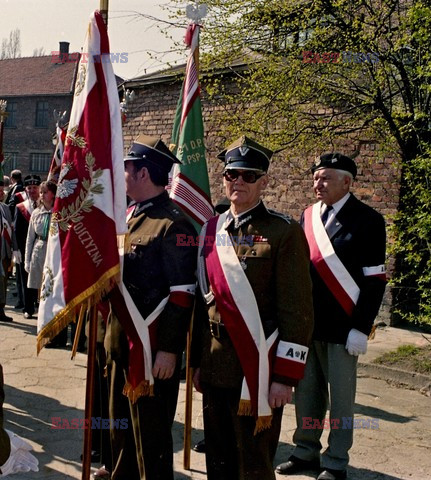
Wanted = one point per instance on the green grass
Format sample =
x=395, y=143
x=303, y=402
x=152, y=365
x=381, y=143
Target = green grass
x=408, y=357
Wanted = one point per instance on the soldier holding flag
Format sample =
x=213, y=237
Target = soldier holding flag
x=148, y=323
x=251, y=341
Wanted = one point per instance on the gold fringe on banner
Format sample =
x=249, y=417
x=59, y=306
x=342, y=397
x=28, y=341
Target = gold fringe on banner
x=144, y=389
x=262, y=423
x=244, y=408
x=91, y=296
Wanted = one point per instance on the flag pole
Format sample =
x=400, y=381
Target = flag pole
x=89, y=392
x=195, y=13
x=104, y=7
x=3, y=116
x=91, y=348
x=189, y=399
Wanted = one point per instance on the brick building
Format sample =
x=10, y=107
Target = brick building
x=34, y=87
x=289, y=191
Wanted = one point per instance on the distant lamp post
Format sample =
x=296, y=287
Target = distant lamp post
x=128, y=98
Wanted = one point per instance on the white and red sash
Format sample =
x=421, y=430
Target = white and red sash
x=21, y=196
x=140, y=379
x=237, y=305
x=141, y=332
x=326, y=262
x=26, y=209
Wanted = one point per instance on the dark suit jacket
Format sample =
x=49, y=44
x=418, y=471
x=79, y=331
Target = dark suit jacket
x=358, y=237
x=11, y=199
x=4, y=438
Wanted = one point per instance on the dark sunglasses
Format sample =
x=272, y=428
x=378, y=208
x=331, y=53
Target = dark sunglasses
x=248, y=176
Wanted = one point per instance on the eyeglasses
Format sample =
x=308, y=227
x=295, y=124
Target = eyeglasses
x=248, y=176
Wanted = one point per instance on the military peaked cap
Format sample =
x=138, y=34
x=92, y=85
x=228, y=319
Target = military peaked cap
x=32, y=180
x=246, y=154
x=337, y=161
x=153, y=150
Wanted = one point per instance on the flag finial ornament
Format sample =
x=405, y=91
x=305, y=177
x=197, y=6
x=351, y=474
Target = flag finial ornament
x=196, y=12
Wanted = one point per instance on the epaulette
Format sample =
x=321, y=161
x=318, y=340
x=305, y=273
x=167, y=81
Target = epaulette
x=286, y=218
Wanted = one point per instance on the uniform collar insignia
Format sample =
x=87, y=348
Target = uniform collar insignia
x=241, y=220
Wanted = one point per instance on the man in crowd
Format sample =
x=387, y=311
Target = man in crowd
x=251, y=341
x=23, y=212
x=16, y=186
x=347, y=243
x=149, y=319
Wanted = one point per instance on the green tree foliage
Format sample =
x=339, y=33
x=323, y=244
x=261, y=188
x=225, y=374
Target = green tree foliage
x=309, y=72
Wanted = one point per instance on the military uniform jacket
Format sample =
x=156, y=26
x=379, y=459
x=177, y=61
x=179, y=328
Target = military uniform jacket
x=154, y=262
x=359, y=239
x=274, y=254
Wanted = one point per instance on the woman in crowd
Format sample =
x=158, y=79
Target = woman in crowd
x=37, y=236
x=35, y=248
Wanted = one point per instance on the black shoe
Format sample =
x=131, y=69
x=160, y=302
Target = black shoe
x=329, y=474
x=95, y=456
x=18, y=306
x=200, y=446
x=5, y=318
x=296, y=465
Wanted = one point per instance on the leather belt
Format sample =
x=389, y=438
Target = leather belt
x=218, y=329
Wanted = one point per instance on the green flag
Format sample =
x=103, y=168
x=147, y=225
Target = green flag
x=190, y=184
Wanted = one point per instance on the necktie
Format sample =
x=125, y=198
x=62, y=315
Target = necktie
x=34, y=204
x=325, y=214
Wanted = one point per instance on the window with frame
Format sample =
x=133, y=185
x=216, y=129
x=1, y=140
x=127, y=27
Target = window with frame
x=42, y=115
x=40, y=162
x=10, y=162
x=11, y=109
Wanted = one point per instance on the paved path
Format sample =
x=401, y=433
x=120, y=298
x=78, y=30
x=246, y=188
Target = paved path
x=39, y=388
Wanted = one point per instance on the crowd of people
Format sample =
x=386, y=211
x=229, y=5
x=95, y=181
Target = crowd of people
x=282, y=307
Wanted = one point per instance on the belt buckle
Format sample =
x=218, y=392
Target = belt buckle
x=215, y=329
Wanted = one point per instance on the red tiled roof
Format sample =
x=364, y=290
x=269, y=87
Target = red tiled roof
x=36, y=76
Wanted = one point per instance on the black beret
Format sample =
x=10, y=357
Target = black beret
x=32, y=180
x=153, y=150
x=337, y=161
x=246, y=154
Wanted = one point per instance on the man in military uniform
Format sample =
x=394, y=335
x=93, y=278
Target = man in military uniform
x=250, y=342
x=150, y=317
x=347, y=242
x=21, y=223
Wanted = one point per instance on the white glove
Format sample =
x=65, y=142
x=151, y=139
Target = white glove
x=27, y=267
x=356, y=342
x=20, y=458
x=16, y=257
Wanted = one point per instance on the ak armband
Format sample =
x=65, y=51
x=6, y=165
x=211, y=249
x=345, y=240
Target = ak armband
x=290, y=360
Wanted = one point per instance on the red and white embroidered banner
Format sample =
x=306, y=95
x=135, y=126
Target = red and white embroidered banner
x=326, y=262
x=82, y=257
